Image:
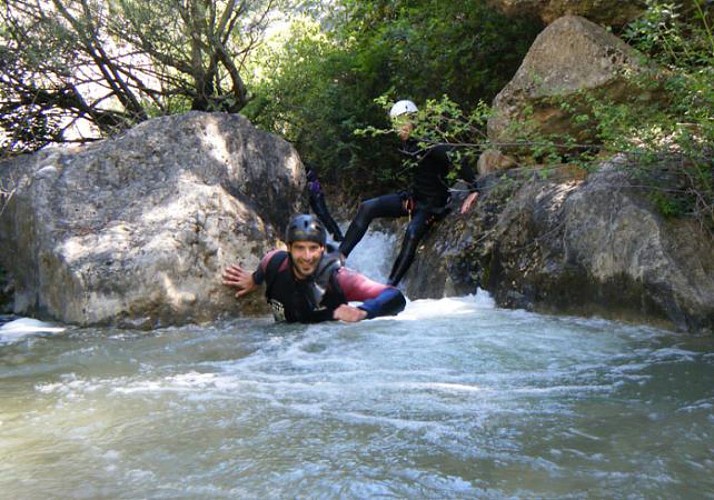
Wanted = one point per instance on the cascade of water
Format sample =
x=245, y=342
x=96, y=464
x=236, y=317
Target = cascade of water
x=373, y=256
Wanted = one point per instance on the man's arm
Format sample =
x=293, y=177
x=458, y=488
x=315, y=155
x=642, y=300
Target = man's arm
x=244, y=281
x=377, y=299
x=466, y=173
x=469, y=176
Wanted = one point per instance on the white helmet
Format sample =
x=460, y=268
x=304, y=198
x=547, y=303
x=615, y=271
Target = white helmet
x=402, y=107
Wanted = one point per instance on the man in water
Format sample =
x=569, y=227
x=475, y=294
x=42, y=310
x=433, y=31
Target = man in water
x=307, y=285
x=318, y=205
x=425, y=202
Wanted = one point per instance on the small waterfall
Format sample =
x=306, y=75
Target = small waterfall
x=374, y=255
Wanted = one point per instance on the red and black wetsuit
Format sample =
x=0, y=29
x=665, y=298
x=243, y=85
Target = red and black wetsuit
x=314, y=299
x=426, y=202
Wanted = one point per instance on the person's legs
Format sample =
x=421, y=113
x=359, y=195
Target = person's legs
x=388, y=205
x=421, y=221
x=318, y=205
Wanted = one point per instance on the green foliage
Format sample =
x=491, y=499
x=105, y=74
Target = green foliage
x=310, y=91
x=666, y=123
x=464, y=49
x=676, y=34
x=76, y=70
x=322, y=85
x=679, y=132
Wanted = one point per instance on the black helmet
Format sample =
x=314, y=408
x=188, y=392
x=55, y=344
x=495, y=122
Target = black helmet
x=305, y=227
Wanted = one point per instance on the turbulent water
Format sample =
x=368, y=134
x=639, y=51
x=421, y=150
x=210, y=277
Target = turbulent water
x=454, y=398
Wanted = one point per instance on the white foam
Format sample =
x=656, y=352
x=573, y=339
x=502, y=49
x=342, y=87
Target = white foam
x=18, y=329
x=449, y=306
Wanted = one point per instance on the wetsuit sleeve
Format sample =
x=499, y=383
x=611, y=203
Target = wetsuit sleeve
x=469, y=176
x=377, y=299
x=467, y=173
x=320, y=316
x=462, y=165
x=259, y=274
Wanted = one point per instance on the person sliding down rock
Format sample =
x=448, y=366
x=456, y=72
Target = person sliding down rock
x=426, y=200
x=308, y=285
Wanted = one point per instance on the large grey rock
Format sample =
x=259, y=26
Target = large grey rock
x=570, y=56
x=136, y=230
x=605, y=12
x=579, y=247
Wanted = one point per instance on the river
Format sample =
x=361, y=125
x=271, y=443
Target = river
x=453, y=398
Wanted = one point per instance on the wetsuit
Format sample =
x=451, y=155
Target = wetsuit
x=315, y=299
x=318, y=205
x=425, y=202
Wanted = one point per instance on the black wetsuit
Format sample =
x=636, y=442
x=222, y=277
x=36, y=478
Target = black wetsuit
x=318, y=205
x=425, y=202
x=315, y=299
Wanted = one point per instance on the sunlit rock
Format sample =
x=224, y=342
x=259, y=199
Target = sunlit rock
x=492, y=160
x=571, y=56
x=136, y=230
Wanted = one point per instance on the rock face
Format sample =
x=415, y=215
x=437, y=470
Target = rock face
x=136, y=230
x=569, y=56
x=579, y=247
x=605, y=12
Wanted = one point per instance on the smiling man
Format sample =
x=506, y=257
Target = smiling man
x=306, y=284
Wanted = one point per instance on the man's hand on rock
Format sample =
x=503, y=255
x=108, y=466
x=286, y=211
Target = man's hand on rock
x=236, y=277
x=468, y=202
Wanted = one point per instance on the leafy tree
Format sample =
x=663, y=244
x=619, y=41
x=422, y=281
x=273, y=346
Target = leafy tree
x=315, y=94
x=467, y=49
x=324, y=81
x=109, y=64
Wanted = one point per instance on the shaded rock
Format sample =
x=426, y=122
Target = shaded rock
x=593, y=247
x=136, y=230
x=570, y=56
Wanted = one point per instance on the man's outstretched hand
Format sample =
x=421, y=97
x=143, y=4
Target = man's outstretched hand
x=237, y=277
